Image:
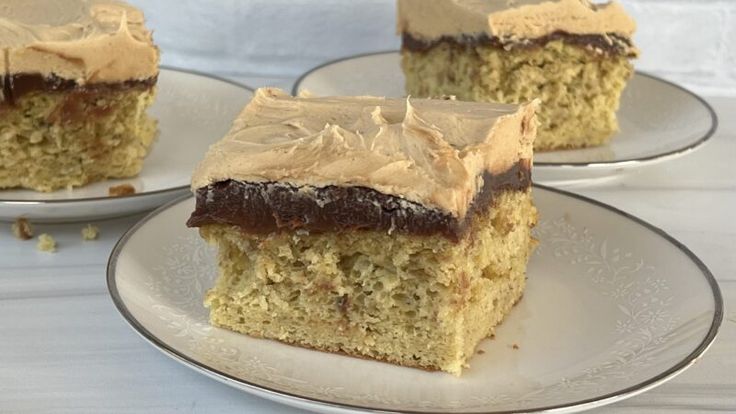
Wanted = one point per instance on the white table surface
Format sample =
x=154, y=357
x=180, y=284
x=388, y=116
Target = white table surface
x=65, y=349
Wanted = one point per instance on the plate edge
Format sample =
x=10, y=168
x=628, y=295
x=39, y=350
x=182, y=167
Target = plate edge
x=276, y=395
x=163, y=191
x=570, y=165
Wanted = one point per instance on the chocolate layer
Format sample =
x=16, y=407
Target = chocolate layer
x=17, y=85
x=4, y=90
x=612, y=44
x=264, y=208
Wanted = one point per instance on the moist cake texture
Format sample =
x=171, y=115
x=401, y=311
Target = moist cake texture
x=77, y=78
x=397, y=230
x=571, y=54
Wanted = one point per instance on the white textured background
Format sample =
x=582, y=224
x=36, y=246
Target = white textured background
x=692, y=42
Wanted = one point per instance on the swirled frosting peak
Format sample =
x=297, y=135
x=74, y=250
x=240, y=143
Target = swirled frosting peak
x=432, y=152
x=87, y=41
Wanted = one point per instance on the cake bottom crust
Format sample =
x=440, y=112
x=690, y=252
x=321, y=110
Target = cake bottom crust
x=55, y=140
x=416, y=301
x=579, y=89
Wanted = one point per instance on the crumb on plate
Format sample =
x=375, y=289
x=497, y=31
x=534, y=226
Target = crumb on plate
x=120, y=190
x=90, y=232
x=515, y=346
x=22, y=229
x=46, y=243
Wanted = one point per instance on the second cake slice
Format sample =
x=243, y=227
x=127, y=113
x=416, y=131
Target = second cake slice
x=77, y=79
x=396, y=230
x=573, y=55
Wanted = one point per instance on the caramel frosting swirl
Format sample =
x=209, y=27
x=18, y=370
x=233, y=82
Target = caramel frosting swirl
x=432, y=152
x=88, y=41
x=511, y=20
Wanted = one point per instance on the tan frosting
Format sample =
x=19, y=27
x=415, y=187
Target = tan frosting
x=428, y=151
x=511, y=19
x=84, y=40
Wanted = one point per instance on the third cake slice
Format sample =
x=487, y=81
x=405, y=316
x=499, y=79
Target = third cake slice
x=390, y=229
x=572, y=54
x=78, y=77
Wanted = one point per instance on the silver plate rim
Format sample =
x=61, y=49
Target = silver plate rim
x=637, y=161
x=276, y=395
x=163, y=191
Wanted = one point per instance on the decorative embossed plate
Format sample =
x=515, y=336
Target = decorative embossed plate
x=659, y=120
x=613, y=307
x=194, y=110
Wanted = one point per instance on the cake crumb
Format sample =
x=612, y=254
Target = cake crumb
x=515, y=346
x=90, y=232
x=46, y=243
x=120, y=190
x=22, y=229
x=480, y=352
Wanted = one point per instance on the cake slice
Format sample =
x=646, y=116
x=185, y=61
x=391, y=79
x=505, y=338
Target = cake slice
x=397, y=230
x=572, y=54
x=77, y=77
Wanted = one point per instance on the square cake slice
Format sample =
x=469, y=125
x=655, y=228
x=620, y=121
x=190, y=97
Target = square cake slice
x=573, y=55
x=397, y=230
x=77, y=78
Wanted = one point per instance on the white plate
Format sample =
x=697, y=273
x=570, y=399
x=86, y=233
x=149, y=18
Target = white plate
x=194, y=110
x=659, y=120
x=613, y=307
